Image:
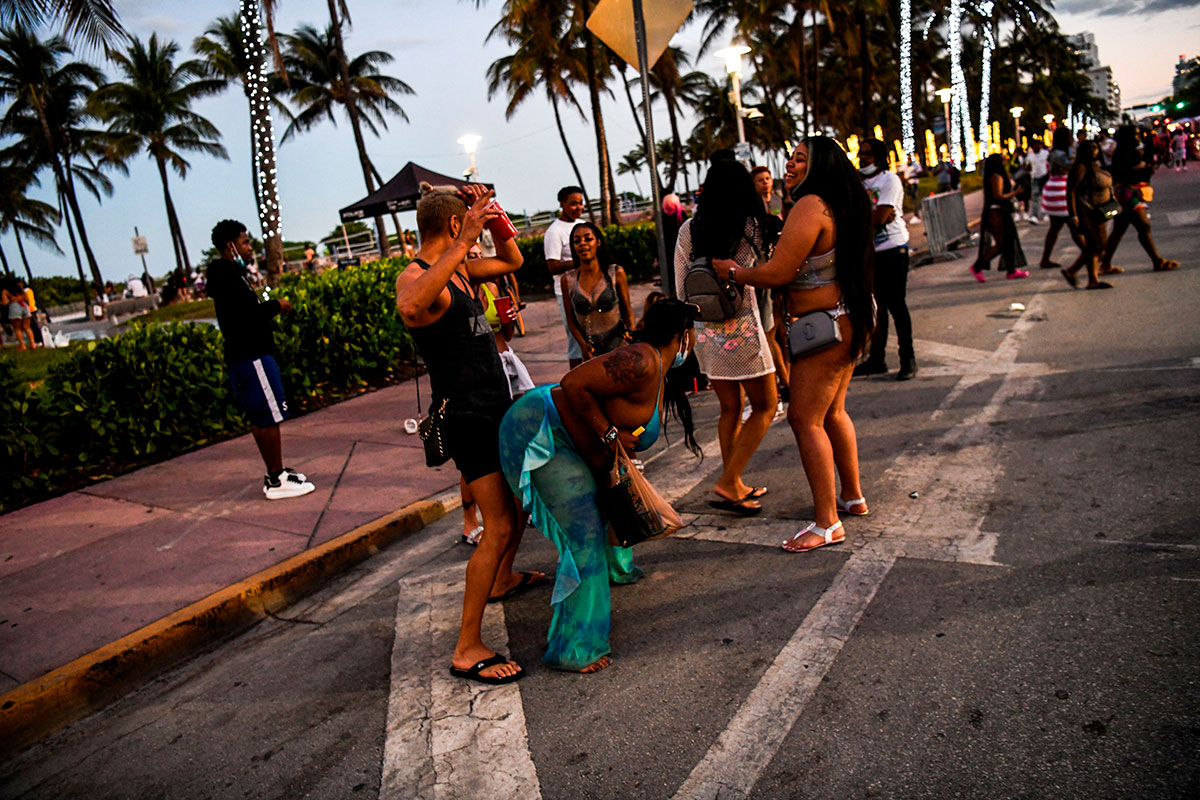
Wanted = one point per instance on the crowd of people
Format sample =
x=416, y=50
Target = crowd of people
x=809, y=279
x=1083, y=184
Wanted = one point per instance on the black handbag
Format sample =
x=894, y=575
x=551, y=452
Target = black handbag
x=812, y=333
x=1107, y=211
x=433, y=435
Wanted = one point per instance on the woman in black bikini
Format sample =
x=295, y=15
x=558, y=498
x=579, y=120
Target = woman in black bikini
x=599, y=314
x=1089, y=201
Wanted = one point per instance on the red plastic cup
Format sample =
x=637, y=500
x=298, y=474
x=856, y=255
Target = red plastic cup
x=505, y=310
x=501, y=227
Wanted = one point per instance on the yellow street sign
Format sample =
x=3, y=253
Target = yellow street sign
x=612, y=22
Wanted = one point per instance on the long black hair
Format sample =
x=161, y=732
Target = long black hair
x=834, y=179
x=662, y=322
x=1061, y=139
x=1126, y=156
x=727, y=201
x=993, y=165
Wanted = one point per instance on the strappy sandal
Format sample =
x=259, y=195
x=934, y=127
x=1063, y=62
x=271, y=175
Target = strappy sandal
x=826, y=533
x=846, y=505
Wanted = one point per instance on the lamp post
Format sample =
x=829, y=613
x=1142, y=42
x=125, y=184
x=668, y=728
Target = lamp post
x=1016, y=112
x=733, y=65
x=944, y=95
x=470, y=142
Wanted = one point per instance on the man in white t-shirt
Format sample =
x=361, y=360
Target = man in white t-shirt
x=1038, y=159
x=557, y=246
x=891, y=261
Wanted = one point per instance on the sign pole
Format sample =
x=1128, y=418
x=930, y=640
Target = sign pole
x=665, y=267
x=145, y=271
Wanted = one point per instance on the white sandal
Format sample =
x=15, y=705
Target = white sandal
x=813, y=527
x=845, y=505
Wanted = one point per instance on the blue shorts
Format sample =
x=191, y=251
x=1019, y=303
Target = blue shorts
x=258, y=391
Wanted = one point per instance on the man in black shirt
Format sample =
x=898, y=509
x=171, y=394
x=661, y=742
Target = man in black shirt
x=249, y=354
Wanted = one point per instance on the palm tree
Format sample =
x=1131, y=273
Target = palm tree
x=151, y=111
x=542, y=61
x=47, y=119
x=320, y=79
x=93, y=21
x=234, y=49
x=631, y=164
x=24, y=215
x=676, y=90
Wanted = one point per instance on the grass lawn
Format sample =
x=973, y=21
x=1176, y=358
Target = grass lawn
x=200, y=309
x=32, y=366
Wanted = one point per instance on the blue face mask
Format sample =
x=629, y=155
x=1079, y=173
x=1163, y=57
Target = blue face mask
x=680, y=357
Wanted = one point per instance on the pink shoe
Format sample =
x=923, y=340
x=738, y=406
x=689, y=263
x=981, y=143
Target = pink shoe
x=978, y=275
x=1018, y=273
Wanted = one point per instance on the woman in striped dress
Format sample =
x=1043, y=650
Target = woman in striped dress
x=1054, y=196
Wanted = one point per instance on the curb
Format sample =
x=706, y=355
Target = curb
x=34, y=709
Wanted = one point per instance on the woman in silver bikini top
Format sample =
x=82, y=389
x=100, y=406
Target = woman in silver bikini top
x=818, y=271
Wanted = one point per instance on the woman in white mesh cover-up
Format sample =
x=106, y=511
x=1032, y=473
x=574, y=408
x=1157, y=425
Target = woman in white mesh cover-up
x=733, y=353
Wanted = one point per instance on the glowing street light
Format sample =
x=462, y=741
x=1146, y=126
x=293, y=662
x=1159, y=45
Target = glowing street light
x=1016, y=112
x=470, y=143
x=733, y=65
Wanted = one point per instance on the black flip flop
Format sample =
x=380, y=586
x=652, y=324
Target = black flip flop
x=528, y=581
x=756, y=492
x=736, y=506
x=1100, y=285
x=1071, y=279
x=473, y=674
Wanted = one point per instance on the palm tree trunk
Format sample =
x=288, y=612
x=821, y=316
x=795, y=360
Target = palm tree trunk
x=4, y=260
x=24, y=260
x=816, y=95
x=570, y=156
x=802, y=71
x=172, y=220
x=73, y=202
x=262, y=140
x=395, y=217
x=867, y=108
x=607, y=200
x=637, y=117
x=676, y=144
x=352, y=111
x=83, y=284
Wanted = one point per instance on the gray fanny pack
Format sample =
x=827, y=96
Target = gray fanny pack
x=812, y=333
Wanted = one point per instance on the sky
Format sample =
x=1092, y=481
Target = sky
x=440, y=50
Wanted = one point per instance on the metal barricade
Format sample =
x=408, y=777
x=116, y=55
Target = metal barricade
x=945, y=218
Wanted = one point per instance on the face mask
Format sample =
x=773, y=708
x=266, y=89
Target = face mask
x=869, y=170
x=681, y=356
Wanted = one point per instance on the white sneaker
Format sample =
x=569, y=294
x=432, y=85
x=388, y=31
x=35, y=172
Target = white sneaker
x=1034, y=221
x=288, y=484
x=914, y=219
x=299, y=475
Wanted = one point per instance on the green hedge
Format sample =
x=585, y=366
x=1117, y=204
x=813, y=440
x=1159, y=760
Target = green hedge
x=632, y=246
x=159, y=390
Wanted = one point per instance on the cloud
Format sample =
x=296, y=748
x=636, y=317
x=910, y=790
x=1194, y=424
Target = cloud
x=164, y=26
x=1121, y=8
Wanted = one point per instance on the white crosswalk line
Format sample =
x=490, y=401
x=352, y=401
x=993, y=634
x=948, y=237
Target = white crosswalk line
x=448, y=738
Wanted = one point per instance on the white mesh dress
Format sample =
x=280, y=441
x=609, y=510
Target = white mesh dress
x=734, y=349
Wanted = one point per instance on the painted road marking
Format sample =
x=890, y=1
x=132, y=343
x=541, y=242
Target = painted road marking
x=448, y=738
x=955, y=479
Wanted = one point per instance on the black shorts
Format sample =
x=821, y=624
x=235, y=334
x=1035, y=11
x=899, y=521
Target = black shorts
x=474, y=444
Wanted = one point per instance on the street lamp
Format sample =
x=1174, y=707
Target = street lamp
x=944, y=95
x=471, y=142
x=1016, y=112
x=733, y=65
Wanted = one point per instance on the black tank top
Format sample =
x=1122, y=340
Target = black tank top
x=460, y=353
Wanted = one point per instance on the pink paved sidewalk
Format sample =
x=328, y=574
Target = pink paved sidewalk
x=86, y=568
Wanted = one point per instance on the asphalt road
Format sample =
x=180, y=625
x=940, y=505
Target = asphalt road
x=1023, y=627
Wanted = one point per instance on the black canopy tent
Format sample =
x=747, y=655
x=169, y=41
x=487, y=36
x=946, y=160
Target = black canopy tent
x=399, y=194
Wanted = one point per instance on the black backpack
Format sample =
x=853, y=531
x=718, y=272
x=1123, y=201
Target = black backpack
x=717, y=299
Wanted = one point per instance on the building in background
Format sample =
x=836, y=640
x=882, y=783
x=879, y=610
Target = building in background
x=1103, y=85
x=1184, y=69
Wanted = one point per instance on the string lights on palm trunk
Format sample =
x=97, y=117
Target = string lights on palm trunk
x=260, y=120
x=907, y=132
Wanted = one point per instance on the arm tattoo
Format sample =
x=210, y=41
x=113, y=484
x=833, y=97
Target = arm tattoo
x=828, y=212
x=626, y=366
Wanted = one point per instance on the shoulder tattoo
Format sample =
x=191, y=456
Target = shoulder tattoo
x=626, y=366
